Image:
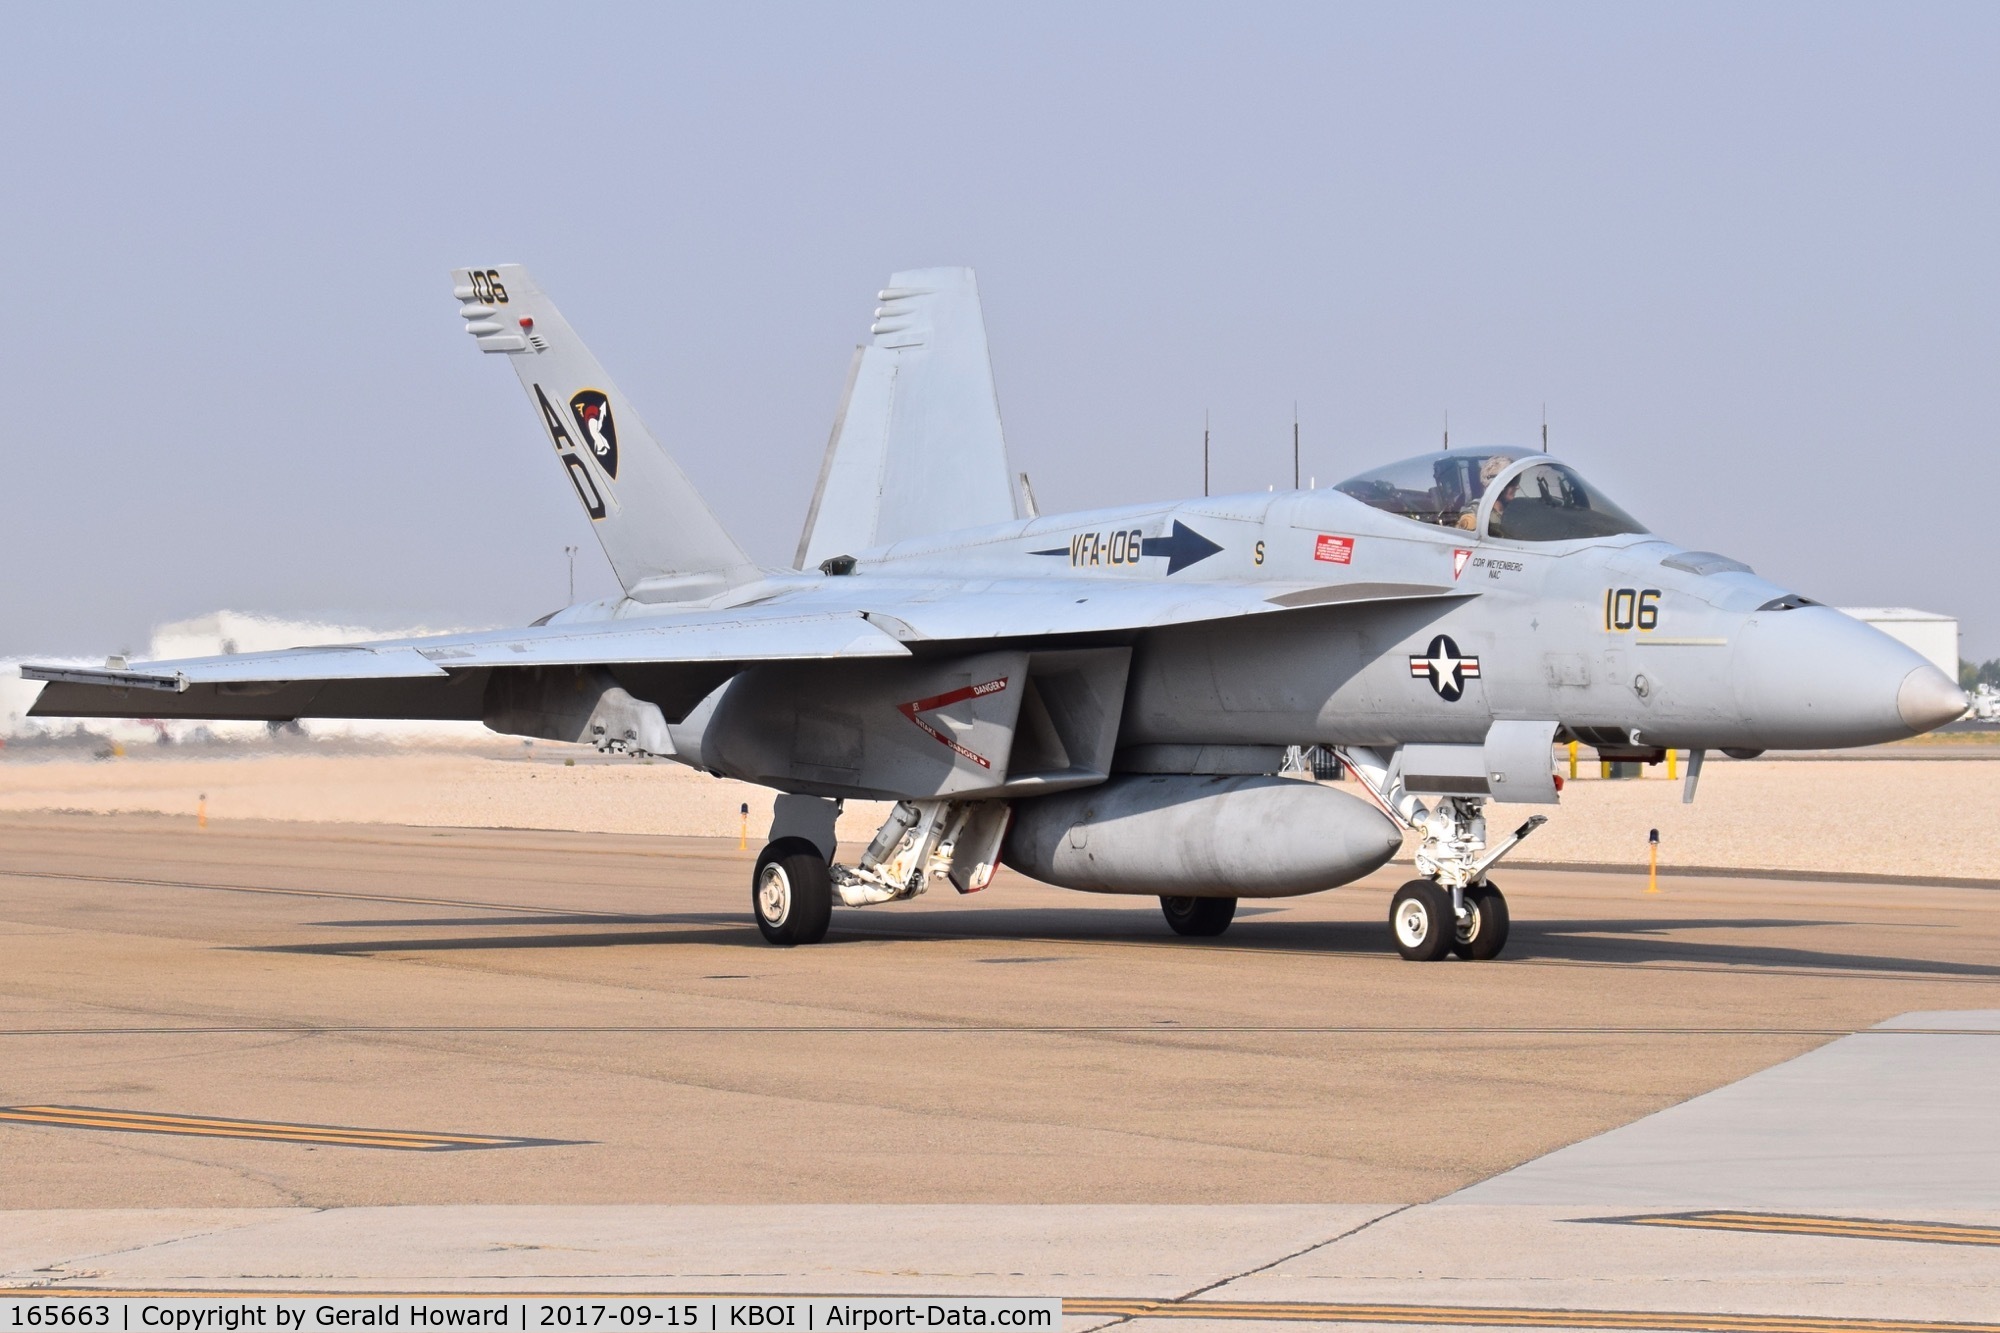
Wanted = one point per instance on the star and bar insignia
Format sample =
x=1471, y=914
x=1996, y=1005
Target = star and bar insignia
x=1446, y=667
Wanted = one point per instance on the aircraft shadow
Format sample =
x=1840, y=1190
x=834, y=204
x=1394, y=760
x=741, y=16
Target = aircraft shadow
x=743, y=934
x=1605, y=941
x=1629, y=941
x=538, y=919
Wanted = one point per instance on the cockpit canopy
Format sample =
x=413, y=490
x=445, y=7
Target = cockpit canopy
x=1524, y=496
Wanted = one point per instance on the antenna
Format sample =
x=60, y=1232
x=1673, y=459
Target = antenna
x=1447, y=428
x=1204, y=451
x=1545, y=427
x=570, y=551
x=1295, y=444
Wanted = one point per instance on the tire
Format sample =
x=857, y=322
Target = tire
x=1420, y=921
x=791, y=893
x=1484, y=935
x=1198, y=916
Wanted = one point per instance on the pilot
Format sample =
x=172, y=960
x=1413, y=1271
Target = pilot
x=1488, y=470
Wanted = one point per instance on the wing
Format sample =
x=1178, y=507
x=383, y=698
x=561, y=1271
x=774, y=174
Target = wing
x=445, y=677
x=686, y=654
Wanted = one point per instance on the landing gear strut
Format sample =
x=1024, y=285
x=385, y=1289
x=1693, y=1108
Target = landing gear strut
x=1454, y=908
x=794, y=887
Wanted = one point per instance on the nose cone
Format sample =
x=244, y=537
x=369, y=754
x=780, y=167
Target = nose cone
x=1928, y=698
x=1811, y=678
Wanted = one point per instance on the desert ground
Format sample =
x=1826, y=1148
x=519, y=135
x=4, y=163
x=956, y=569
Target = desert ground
x=1885, y=815
x=244, y=993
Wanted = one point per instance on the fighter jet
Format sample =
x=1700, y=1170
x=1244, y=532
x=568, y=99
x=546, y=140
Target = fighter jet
x=1101, y=700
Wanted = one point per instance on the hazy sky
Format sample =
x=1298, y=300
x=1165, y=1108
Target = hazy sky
x=1747, y=255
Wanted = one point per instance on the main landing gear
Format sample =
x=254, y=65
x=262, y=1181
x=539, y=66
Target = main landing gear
x=792, y=893
x=1205, y=917
x=795, y=886
x=1455, y=908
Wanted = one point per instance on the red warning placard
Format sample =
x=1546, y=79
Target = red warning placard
x=1334, y=550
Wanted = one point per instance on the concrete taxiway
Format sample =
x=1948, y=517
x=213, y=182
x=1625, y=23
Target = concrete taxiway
x=568, y=1062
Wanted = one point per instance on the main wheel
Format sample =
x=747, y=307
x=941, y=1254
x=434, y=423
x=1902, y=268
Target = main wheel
x=791, y=893
x=1483, y=934
x=1420, y=918
x=1198, y=916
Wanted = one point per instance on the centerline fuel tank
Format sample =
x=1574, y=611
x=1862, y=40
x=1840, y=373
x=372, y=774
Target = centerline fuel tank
x=1228, y=837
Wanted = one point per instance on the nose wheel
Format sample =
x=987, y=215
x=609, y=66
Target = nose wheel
x=1420, y=920
x=1427, y=925
x=1481, y=931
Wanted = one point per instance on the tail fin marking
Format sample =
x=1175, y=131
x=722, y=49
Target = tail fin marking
x=661, y=537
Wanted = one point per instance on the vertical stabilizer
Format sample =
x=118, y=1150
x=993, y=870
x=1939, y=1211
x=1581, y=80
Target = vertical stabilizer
x=660, y=535
x=916, y=446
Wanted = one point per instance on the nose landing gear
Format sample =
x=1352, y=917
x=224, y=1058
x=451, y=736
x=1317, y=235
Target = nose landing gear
x=1454, y=909
x=1461, y=911
x=1429, y=923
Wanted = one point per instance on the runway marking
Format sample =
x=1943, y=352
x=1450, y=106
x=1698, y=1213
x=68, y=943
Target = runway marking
x=214, y=1127
x=1806, y=1224
x=1503, y=1316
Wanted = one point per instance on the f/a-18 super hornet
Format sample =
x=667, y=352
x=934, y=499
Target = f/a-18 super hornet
x=1101, y=700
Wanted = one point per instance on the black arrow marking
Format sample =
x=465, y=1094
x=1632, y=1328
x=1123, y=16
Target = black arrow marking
x=1183, y=548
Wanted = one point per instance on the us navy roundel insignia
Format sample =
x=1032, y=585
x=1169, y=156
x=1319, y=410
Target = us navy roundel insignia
x=1446, y=667
x=592, y=410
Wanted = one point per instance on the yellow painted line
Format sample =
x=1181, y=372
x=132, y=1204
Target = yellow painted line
x=149, y=1118
x=357, y=1141
x=1805, y=1224
x=1504, y=1316
x=141, y=1119
x=142, y=1122
x=84, y=1116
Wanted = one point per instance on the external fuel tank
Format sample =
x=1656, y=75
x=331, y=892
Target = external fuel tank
x=1227, y=837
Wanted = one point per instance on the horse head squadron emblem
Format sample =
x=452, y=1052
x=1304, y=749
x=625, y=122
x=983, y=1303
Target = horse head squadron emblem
x=592, y=410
